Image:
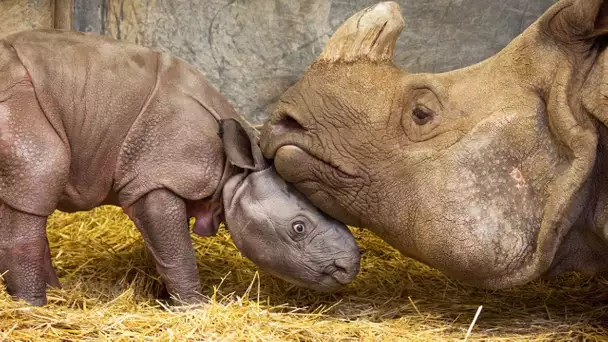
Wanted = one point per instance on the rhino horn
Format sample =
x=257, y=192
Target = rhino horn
x=370, y=34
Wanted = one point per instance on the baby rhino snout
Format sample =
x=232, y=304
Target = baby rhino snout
x=345, y=270
x=344, y=266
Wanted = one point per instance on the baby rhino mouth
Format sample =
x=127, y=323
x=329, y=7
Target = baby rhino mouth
x=328, y=279
x=336, y=275
x=343, y=270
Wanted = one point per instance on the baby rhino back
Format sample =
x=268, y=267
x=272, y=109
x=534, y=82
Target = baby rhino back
x=91, y=89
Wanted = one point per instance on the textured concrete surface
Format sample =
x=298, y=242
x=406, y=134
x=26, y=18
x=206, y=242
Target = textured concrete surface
x=19, y=15
x=252, y=50
x=89, y=15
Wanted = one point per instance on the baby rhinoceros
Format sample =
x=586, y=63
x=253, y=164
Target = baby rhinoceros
x=87, y=121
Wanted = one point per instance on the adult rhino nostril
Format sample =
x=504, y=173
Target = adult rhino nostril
x=287, y=124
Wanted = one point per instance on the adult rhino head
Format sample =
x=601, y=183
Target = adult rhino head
x=493, y=174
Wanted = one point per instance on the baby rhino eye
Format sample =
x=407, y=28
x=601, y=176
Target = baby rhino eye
x=298, y=227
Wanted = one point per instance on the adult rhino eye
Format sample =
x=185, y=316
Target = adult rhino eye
x=298, y=227
x=421, y=115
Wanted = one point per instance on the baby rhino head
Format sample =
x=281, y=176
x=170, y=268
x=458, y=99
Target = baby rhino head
x=279, y=229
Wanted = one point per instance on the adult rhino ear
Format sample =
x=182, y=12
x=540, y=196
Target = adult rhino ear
x=241, y=145
x=577, y=21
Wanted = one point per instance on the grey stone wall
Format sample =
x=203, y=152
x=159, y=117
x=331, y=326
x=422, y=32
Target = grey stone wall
x=19, y=15
x=252, y=50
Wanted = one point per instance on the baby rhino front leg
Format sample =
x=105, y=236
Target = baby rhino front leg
x=25, y=258
x=161, y=218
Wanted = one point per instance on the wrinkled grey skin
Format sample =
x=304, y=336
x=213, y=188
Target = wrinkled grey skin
x=494, y=174
x=261, y=213
x=86, y=121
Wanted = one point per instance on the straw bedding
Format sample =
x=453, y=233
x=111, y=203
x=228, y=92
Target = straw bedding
x=110, y=289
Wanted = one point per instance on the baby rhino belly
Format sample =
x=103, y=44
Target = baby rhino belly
x=90, y=181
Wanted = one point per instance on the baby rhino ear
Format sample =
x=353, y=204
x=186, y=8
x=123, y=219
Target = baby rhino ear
x=241, y=146
x=575, y=21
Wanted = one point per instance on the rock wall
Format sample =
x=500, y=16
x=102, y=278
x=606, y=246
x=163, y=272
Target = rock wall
x=253, y=50
x=19, y=15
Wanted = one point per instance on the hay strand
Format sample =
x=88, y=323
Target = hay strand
x=473, y=323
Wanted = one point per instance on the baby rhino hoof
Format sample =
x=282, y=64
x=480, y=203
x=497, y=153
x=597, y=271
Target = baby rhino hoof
x=34, y=300
x=183, y=300
x=187, y=303
x=189, y=300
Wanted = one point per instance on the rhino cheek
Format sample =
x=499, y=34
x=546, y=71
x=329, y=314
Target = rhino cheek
x=278, y=259
x=482, y=210
x=262, y=251
x=476, y=233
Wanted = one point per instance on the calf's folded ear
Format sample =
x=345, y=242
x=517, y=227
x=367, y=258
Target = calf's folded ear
x=241, y=145
x=573, y=21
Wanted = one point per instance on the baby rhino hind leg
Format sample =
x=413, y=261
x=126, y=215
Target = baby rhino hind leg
x=33, y=172
x=25, y=258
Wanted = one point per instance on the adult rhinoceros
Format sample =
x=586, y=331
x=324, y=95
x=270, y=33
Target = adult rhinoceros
x=494, y=174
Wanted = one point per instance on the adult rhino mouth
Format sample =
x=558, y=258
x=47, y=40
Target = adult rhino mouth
x=314, y=174
x=317, y=179
x=287, y=133
x=287, y=147
x=298, y=155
